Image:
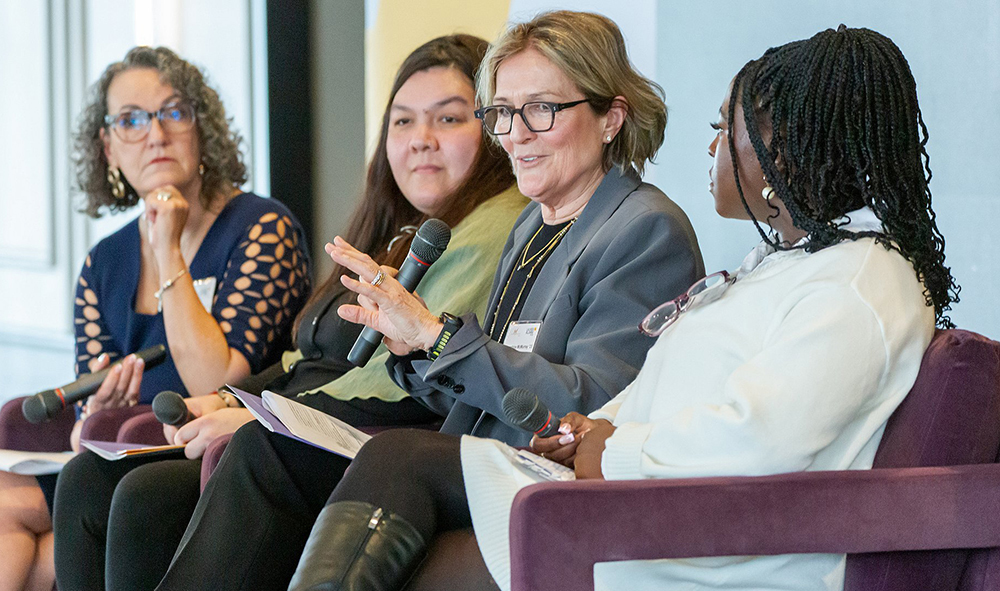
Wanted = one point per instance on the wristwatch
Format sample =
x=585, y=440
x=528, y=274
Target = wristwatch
x=451, y=325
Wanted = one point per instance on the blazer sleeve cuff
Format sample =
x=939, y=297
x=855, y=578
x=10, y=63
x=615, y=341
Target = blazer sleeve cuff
x=622, y=458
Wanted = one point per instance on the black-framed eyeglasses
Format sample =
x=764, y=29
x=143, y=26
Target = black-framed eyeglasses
x=132, y=125
x=705, y=290
x=538, y=116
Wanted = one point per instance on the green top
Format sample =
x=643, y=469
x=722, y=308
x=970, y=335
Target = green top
x=459, y=282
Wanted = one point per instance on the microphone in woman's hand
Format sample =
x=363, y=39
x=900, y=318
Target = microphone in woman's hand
x=45, y=405
x=427, y=246
x=524, y=410
x=170, y=409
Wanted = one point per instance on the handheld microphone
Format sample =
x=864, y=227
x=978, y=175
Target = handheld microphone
x=524, y=410
x=427, y=246
x=169, y=409
x=45, y=405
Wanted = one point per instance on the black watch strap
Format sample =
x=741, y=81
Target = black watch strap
x=451, y=325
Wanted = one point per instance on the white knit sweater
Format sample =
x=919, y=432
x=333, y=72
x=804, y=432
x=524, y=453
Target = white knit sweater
x=798, y=366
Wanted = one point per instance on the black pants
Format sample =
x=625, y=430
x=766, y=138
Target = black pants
x=118, y=524
x=415, y=474
x=255, y=514
x=153, y=498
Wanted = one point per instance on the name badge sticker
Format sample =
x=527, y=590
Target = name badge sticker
x=521, y=335
x=205, y=288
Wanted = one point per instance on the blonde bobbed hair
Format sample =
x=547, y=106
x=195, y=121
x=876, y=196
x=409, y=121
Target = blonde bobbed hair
x=590, y=50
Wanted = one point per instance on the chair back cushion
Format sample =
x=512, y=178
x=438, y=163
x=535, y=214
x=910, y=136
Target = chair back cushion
x=17, y=433
x=950, y=417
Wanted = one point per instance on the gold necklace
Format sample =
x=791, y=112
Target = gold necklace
x=555, y=239
x=537, y=258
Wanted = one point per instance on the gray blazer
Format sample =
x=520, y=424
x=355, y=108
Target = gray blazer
x=630, y=250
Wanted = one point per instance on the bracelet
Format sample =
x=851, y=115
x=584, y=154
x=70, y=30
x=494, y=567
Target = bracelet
x=451, y=325
x=227, y=398
x=167, y=285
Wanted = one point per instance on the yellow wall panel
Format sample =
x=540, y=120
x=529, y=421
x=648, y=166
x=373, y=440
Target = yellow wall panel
x=403, y=25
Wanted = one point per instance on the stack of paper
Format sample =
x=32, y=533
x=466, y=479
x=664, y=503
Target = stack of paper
x=293, y=419
x=34, y=463
x=110, y=450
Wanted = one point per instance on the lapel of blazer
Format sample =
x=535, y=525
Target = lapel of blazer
x=606, y=199
x=522, y=233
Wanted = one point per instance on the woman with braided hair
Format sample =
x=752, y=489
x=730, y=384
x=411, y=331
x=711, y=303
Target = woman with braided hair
x=794, y=362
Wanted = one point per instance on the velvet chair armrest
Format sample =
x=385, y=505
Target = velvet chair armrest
x=213, y=453
x=142, y=428
x=17, y=433
x=103, y=425
x=558, y=531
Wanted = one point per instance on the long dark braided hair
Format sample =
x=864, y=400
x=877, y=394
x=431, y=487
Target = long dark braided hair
x=846, y=132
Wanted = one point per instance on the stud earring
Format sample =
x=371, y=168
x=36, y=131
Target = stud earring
x=115, y=180
x=608, y=139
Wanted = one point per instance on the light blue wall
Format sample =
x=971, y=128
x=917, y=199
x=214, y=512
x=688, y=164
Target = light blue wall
x=954, y=53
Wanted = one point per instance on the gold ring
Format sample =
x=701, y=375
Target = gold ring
x=377, y=279
x=164, y=196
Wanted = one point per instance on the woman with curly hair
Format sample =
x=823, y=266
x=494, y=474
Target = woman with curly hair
x=213, y=273
x=793, y=362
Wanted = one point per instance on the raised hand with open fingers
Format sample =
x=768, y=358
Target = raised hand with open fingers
x=384, y=304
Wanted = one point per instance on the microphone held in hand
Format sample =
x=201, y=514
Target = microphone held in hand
x=45, y=405
x=427, y=246
x=524, y=410
x=169, y=409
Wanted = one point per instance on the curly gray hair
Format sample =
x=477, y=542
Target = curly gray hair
x=218, y=144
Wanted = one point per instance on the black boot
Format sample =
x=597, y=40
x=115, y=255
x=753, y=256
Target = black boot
x=354, y=546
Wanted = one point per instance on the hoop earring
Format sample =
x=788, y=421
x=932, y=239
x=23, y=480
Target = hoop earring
x=115, y=180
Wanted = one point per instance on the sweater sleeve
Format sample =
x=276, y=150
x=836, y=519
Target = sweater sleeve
x=265, y=285
x=816, y=374
x=92, y=335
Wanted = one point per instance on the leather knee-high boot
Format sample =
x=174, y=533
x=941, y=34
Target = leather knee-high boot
x=355, y=546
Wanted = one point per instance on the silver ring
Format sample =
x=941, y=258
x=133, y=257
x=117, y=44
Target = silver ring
x=164, y=196
x=377, y=279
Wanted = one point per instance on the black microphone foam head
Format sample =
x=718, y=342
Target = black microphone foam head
x=169, y=408
x=41, y=407
x=523, y=409
x=431, y=240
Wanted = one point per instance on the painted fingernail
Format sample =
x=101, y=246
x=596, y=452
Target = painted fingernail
x=567, y=438
x=565, y=428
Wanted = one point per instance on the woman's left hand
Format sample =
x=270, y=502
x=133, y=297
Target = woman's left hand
x=591, y=449
x=388, y=308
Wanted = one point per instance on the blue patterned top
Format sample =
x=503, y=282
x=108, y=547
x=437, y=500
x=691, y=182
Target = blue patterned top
x=255, y=250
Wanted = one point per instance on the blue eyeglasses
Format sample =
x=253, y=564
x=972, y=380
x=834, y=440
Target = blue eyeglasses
x=132, y=125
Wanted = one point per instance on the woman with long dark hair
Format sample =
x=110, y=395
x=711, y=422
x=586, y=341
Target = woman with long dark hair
x=431, y=161
x=793, y=362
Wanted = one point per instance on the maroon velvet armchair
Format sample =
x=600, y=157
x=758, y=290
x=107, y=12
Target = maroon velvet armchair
x=17, y=433
x=926, y=518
